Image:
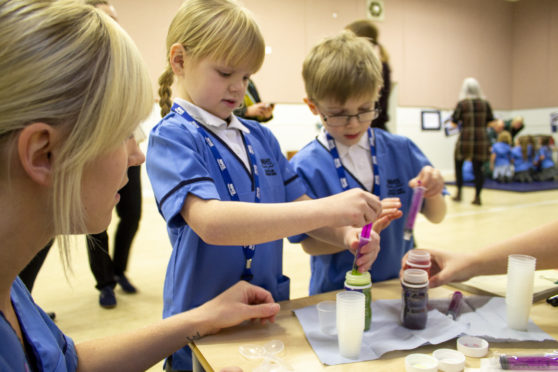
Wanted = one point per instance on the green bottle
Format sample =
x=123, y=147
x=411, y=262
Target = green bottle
x=361, y=282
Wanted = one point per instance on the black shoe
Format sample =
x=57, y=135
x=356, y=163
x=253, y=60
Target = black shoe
x=125, y=284
x=107, y=299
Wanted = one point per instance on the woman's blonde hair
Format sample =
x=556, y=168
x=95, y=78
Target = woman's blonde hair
x=69, y=65
x=342, y=67
x=220, y=30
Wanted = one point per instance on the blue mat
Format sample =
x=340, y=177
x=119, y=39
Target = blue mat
x=514, y=186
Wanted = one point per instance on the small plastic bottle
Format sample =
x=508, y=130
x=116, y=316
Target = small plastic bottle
x=418, y=259
x=361, y=282
x=414, y=295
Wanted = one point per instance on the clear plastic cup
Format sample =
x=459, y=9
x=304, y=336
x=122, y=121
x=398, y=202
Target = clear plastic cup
x=519, y=293
x=326, y=316
x=350, y=323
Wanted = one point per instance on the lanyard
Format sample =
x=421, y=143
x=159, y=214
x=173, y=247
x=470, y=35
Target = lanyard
x=339, y=166
x=248, y=250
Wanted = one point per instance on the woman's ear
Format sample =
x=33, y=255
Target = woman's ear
x=35, y=149
x=311, y=105
x=176, y=58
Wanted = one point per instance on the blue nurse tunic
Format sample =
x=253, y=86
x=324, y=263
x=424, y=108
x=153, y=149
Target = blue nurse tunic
x=50, y=349
x=399, y=160
x=178, y=163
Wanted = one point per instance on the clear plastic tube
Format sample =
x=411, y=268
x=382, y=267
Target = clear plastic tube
x=546, y=362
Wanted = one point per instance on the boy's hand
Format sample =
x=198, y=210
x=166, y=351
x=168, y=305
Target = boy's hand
x=368, y=252
x=431, y=179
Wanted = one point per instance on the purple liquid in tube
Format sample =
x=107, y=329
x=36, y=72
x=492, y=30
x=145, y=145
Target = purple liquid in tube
x=416, y=204
x=547, y=362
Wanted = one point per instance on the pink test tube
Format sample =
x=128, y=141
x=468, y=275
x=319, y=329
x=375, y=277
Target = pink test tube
x=416, y=204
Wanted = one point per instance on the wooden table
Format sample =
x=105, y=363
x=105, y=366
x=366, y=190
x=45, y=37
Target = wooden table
x=221, y=350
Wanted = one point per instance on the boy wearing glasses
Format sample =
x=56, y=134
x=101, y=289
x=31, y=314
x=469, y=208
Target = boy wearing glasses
x=342, y=77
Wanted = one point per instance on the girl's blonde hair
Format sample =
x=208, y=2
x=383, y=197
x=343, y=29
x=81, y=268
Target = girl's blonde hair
x=342, y=67
x=505, y=137
x=68, y=65
x=220, y=30
x=524, y=142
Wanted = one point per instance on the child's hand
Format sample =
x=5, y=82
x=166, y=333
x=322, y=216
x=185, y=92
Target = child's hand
x=431, y=179
x=368, y=252
x=354, y=207
x=390, y=212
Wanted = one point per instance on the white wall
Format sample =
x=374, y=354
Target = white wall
x=294, y=126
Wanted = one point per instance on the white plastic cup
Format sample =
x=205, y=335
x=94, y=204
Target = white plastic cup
x=326, y=316
x=519, y=293
x=350, y=323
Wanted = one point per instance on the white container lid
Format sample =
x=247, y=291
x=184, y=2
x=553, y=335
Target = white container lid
x=450, y=360
x=472, y=346
x=421, y=363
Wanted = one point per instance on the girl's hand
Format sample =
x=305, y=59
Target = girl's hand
x=368, y=252
x=431, y=179
x=354, y=207
x=390, y=212
x=240, y=302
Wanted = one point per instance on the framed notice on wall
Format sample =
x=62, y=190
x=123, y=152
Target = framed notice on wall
x=431, y=120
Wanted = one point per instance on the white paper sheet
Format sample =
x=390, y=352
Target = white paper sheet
x=481, y=316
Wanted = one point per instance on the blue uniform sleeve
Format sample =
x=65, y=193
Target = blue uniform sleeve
x=176, y=166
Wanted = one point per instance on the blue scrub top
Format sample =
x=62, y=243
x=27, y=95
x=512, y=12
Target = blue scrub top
x=503, y=154
x=399, y=160
x=546, y=153
x=520, y=164
x=52, y=350
x=179, y=162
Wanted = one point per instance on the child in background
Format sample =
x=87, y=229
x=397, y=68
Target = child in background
x=468, y=175
x=222, y=183
x=544, y=161
x=522, y=158
x=500, y=158
x=342, y=77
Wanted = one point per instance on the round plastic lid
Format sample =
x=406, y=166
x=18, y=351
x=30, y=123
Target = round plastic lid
x=415, y=276
x=472, y=346
x=449, y=360
x=421, y=363
x=358, y=279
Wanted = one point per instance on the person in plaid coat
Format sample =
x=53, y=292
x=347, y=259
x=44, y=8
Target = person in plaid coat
x=473, y=113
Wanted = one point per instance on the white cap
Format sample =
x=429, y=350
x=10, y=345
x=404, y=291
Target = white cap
x=421, y=363
x=450, y=360
x=472, y=346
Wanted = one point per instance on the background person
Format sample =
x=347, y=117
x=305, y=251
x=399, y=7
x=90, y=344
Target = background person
x=474, y=113
x=366, y=28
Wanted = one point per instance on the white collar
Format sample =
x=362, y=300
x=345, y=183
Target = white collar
x=207, y=118
x=342, y=149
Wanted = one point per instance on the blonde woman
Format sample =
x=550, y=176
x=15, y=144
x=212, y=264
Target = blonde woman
x=67, y=120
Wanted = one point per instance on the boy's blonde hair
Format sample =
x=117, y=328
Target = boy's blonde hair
x=505, y=137
x=342, y=67
x=68, y=65
x=220, y=30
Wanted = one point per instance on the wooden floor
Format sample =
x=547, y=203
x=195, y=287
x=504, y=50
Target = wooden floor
x=75, y=301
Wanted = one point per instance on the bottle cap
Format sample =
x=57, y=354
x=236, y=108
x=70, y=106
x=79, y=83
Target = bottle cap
x=415, y=276
x=419, y=255
x=449, y=360
x=472, y=346
x=421, y=363
x=358, y=279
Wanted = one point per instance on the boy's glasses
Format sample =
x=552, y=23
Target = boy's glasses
x=342, y=120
